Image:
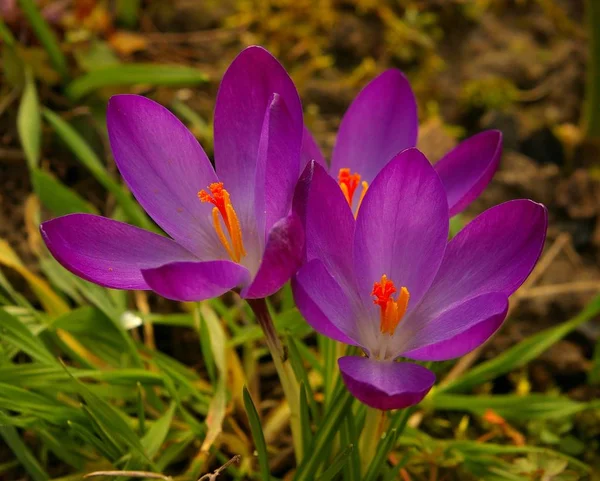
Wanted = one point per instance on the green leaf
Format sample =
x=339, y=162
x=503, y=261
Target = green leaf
x=257, y=435
x=16, y=333
x=90, y=160
x=133, y=74
x=57, y=197
x=339, y=408
x=156, y=435
x=522, y=353
x=29, y=122
x=511, y=407
x=337, y=464
x=45, y=35
x=305, y=420
x=22, y=453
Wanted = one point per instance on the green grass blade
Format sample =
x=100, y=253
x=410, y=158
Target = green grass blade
x=90, y=160
x=522, y=353
x=23, y=454
x=591, y=117
x=337, y=464
x=46, y=36
x=332, y=419
x=17, y=334
x=29, y=122
x=378, y=462
x=305, y=419
x=57, y=197
x=133, y=74
x=257, y=435
x=156, y=435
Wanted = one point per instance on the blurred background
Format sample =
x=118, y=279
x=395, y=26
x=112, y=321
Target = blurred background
x=526, y=67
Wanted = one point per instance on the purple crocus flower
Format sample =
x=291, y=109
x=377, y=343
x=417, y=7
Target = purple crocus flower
x=391, y=283
x=381, y=122
x=228, y=231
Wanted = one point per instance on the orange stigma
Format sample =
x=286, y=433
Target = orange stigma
x=219, y=197
x=392, y=311
x=349, y=183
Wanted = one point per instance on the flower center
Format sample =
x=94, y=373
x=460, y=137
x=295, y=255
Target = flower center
x=223, y=208
x=392, y=311
x=348, y=183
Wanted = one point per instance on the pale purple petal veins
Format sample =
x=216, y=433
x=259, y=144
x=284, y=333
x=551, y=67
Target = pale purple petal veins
x=165, y=167
x=380, y=122
x=107, y=252
x=402, y=227
x=466, y=170
x=245, y=93
x=278, y=165
x=196, y=281
x=454, y=332
x=325, y=305
x=329, y=226
x=385, y=385
x=281, y=259
x=310, y=150
x=495, y=252
x=315, y=317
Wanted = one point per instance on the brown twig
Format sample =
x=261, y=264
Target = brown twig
x=213, y=476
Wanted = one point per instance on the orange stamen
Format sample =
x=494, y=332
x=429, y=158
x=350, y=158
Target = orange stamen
x=392, y=311
x=349, y=183
x=219, y=197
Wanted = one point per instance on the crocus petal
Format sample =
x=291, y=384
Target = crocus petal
x=402, y=227
x=108, y=252
x=315, y=317
x=324, y=304
x=385, y=385
x=311, y=150
x=277, y=166
x=381, y=122
x=195, y=281
x=467, y=169
x=494, y=253
x=165, y=167
x=282, y=257
x=245, y=93
x=328, y=223
x=454, y=332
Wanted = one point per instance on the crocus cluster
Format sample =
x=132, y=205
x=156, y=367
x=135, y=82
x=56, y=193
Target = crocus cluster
x=365, y=240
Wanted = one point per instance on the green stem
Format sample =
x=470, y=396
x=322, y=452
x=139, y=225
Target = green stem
x=370, y=436
x=290, y=386
x=591, y=109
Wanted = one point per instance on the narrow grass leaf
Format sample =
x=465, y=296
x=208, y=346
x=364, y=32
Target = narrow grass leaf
x=522, y=353
x=22, y=453
x=57, y=197
x=337, y=464
x=133, y=74
x=379, y=460
x=301, y=374
x=257, y=435
x=19, y=335
x=45, y=35
x=156, y=435
x=305, y=420
x=29, y=122
x=339, y=408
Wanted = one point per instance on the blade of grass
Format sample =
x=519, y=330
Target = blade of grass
x=29, y=122
x=23, y=454
x=258, y=436
x=332, y=419
x=337, y=464
x=522, y=353
x=133, y=74
x=46, y=36
x=58, y=198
